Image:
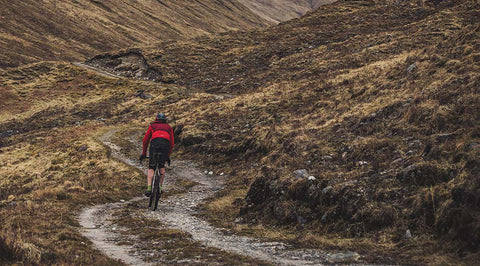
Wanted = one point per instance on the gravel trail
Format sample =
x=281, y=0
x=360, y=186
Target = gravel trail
x=179, y=212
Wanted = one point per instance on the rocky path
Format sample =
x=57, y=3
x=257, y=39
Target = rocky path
x=178, y=212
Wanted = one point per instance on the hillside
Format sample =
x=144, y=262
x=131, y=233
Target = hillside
x=74, y=30
x=282, y=10
x=377, y=100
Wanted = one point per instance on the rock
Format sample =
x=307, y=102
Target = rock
x=416, y=144
x=239, y=220
x=84, y=147
x=301, y=220
x=410, y=152
x=301, y=173
x=362, y=163
x=221, y=174
x=411, y=169
x=210, y=173
x=311, y=178
x=324, y=217
x=327, y=190
x=412, y=67
x=8, y=133
x=408, y=234
x=344, y=257
x=397, y=161
x=141, y=94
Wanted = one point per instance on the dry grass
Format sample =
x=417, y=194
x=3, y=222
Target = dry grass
x=384, y=113
x=70, y=30
x=375, y=102
x=282, y=10
x=49, y=188
x=53, y=163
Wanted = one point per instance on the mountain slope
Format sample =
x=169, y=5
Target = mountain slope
x=378, y=100
x=282, y=10
x=72, y=30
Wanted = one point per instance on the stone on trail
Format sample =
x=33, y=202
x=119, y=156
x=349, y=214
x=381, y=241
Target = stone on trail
x=343, y=257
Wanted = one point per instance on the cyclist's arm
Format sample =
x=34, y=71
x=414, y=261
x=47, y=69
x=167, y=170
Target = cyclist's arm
x=146, y=140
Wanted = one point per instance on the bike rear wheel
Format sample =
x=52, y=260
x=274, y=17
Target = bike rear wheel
x=155, y=196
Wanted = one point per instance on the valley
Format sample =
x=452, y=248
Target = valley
x=353, y=128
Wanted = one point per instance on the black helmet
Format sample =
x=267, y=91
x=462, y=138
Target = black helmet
x=161, y=116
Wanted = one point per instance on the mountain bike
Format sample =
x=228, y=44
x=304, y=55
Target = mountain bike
x=156, y=190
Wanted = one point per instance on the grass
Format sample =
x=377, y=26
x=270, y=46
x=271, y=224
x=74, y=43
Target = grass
x=356, y=111
x=384, y=115
x=55, y=164
x=53, y=187
x=70, y=30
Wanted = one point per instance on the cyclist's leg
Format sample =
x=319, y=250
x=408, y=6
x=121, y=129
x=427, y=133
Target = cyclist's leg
x=150, y=173
x=162, y=176
x=151, y=168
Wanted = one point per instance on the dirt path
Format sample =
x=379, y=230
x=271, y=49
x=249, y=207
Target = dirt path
x=97, y=70
x=178, y=212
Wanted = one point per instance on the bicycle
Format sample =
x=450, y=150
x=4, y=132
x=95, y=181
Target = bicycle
x=156, y=191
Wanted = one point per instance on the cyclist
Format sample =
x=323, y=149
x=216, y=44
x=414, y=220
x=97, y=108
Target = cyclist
x=160, y=137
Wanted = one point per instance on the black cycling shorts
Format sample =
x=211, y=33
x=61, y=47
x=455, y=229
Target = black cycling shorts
x=160, y=147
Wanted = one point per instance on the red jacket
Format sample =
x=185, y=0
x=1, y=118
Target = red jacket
x=158, y=129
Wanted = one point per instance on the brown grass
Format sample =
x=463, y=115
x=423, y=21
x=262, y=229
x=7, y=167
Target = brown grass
x=377, y=100
x=70, y=30
x=53, y=163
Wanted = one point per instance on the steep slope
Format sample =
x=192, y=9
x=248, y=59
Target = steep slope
x=282, y=10
x=71, y=30
x=378, y=100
